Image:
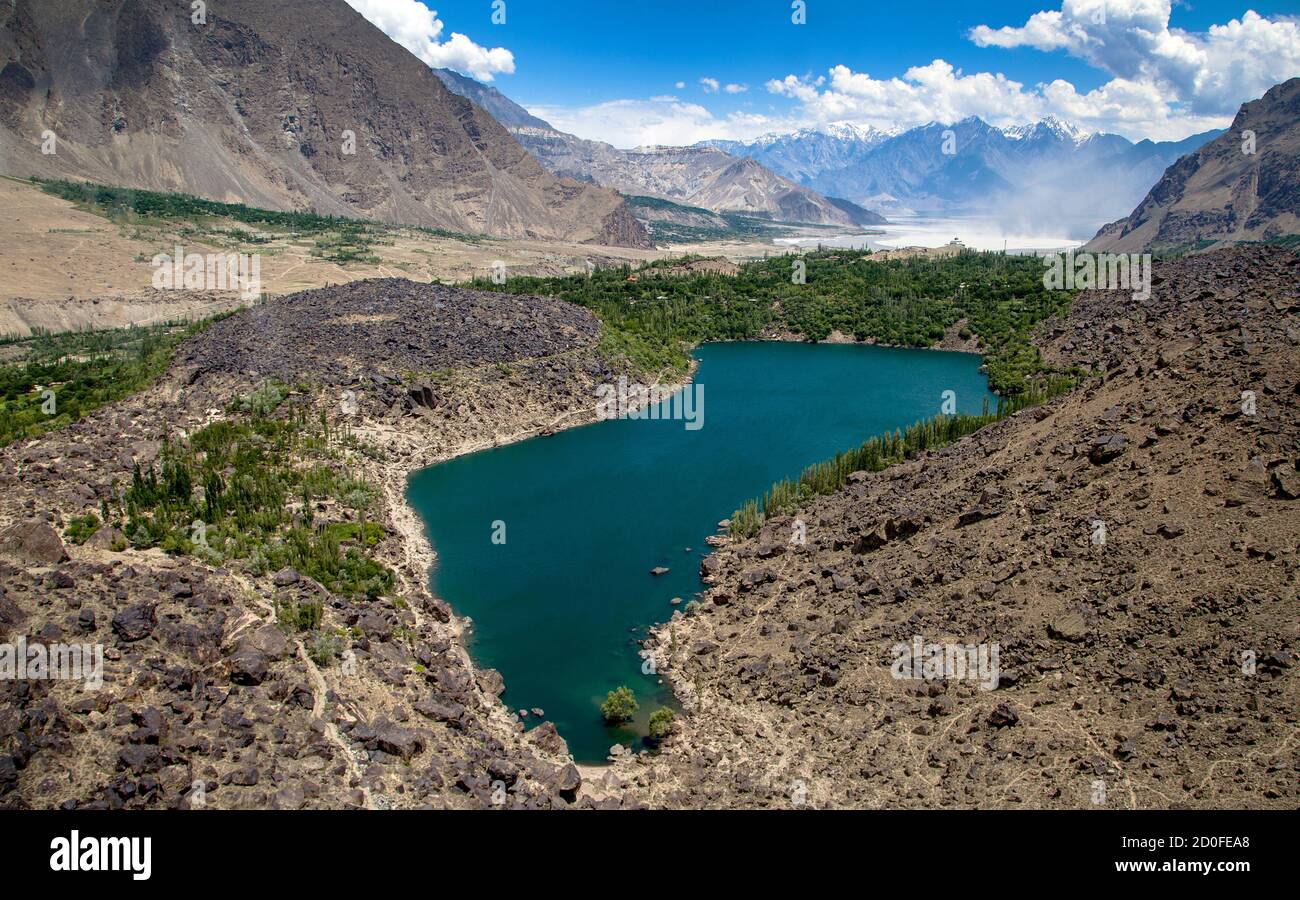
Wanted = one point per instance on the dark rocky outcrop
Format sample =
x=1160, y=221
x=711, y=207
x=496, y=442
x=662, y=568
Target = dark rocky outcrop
x=33, y=543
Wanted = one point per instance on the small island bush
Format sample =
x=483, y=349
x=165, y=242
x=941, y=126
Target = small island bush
x=619, y=706
x=661, y=723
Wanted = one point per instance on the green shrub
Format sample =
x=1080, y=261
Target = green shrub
x=324, y=649
x=81, y=528
x=619, y=706
x=661, y=723
x=299, y=616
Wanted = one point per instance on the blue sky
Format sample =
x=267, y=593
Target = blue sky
x=638, y=71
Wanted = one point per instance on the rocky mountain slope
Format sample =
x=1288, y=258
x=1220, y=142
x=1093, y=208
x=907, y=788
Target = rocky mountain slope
x=1153, y=668
x=1232, y=189
x=694, y=176
x=293, y=104
x=498, y=105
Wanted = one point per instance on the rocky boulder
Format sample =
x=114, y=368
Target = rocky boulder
x=33, y=543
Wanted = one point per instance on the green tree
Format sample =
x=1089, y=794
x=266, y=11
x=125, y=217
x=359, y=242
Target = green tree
x=661, y=723
x=619, y=706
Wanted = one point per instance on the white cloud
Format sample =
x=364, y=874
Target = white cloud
x=1211, y=74
x=710, y=85
x=657, y=121
x=933, y=92
x=1135, y=108
x=736, y=88
x=418, y=29
x=1165, y=84
x=680, y=85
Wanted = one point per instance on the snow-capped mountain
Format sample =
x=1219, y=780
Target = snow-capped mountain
x=809, y=152
x=972, y=165
x=1051, y=128
x=1050, y=171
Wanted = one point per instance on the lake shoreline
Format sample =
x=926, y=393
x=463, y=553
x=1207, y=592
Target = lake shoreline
x=408, y=451
x=421, y=552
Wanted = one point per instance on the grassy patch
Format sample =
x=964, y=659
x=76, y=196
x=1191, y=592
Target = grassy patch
x=119, y=201
x=335, y=239
x=81, y=528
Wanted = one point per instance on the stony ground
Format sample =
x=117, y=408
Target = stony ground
x=206, y=700
x=1155, y=669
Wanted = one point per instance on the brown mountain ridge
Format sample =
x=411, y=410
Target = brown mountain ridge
x=256, y=106
x=1242, y=186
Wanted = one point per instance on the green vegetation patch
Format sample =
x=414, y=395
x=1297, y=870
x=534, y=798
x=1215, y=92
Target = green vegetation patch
x=340, y=240
x=737, y=225
x=619, y=706
x=653, y=323
x=58, y=379
x=661, y=723
x=250, y=490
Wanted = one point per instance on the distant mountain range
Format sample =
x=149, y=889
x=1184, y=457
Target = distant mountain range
x=701, y=177
x=293, y=104
x=1047, y=171
x=257, y=105
x=1242, y=186
x=809, y=152
x=1048, y=175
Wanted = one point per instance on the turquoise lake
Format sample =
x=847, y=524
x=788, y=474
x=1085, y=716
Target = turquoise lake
x=560, y=606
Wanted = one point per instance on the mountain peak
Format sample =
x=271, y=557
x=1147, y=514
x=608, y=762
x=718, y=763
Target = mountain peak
x=1050, y=127
x=268, y=123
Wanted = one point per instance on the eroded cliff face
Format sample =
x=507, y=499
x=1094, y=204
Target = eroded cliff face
x=1146, y=661
x=299, y=104
x=1242, y=186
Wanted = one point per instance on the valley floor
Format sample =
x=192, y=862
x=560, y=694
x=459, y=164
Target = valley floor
x=66, y=269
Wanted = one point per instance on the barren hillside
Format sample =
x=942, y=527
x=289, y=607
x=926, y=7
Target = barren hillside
x=1242, y=186
x=286, y=105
